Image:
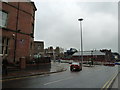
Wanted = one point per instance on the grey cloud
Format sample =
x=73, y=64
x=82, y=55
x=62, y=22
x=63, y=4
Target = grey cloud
x=57, y=24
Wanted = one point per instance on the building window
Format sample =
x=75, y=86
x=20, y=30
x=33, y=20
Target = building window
x=31, y=45
x=32, y=28
x=5, y=45
x=33, y=13
x=0, y=45
x=3, y=18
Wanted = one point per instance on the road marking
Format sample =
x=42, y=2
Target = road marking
x=58, y=80
x=108, y=83
x=111, y=81
x=21, y=78
x=105, y=84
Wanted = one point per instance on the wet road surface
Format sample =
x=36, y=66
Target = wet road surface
x=89, y=77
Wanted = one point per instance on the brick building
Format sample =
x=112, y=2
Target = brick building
x=49, y=52
x=56, y=53
x=95, y=55
x=39, y=48
x=17, y=30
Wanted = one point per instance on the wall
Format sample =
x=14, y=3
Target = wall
x=21, y=19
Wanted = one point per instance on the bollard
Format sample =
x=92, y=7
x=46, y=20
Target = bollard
x=22, y=63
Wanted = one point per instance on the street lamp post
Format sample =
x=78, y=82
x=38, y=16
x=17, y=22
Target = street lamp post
x=81, y=41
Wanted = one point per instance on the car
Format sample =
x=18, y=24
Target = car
x=117, y=63
x=109, y=64
x=75, y=66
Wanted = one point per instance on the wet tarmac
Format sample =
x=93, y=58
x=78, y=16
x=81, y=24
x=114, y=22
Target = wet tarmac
x=89, y=77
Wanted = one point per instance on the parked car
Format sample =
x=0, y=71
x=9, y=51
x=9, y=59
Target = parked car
x=109, y=64
x=117, y=63
x=75, y=66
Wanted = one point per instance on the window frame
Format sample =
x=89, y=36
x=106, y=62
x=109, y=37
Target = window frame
x=6, y=19
x=5, y=46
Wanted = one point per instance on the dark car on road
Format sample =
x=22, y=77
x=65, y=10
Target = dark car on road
x=117, y=63
x=75, y=66
x=109, y=64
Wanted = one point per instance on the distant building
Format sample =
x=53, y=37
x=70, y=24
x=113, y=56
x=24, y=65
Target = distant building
x=59, y=52
x=108, y=54
x=49, y=52
x=17, y=30
x=39, y=48
x=90, y=55
x=54, y=53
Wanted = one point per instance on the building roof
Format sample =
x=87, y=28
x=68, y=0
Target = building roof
x=38, y=41
x=88, y=53
x=34, y=5
x=32, y=2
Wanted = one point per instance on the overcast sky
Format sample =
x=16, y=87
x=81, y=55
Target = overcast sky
x=56, y=23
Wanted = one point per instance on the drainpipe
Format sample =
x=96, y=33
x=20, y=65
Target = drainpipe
x=15, y=43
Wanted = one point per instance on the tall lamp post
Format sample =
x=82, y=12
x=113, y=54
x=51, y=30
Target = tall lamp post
x=81, y=41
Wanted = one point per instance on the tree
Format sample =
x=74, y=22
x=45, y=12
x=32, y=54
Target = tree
x=71, y=51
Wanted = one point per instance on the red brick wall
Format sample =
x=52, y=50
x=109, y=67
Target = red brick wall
x=25, y=21
x=12, y=14
x=95, y=58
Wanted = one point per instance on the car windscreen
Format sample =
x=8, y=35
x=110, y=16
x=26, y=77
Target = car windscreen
x=75, y=63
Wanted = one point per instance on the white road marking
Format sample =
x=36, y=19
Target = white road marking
x=58, y=80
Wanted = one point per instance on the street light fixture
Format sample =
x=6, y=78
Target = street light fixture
x=81, y=41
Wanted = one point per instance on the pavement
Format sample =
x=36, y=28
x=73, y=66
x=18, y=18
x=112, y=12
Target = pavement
x=53, y=67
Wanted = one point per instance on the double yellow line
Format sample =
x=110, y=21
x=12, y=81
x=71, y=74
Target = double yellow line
x=108, y=83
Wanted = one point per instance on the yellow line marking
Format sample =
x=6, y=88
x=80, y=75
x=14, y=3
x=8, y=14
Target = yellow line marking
x=58, y=80
x=108, y=83
x=21, y=78
x=105, y=84
x=24, y=77
x=111, y=81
